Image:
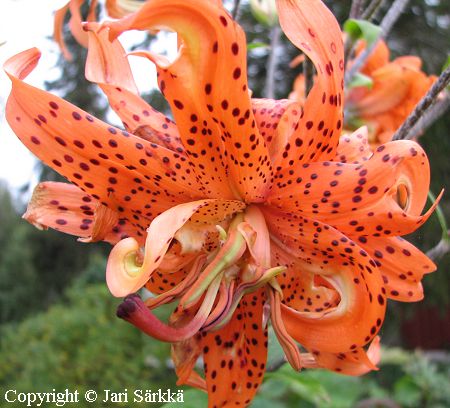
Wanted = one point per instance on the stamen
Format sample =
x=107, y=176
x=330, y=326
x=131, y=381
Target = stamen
x=173, y=293
x=288, y=344
x=227, y=256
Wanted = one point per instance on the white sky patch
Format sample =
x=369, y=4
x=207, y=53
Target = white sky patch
x=29, y=23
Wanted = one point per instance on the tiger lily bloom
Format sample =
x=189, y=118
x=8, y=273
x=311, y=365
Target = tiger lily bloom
x=397, y=87
x=240, y=210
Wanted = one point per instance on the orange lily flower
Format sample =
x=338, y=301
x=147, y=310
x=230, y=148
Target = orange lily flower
x=397, y=87
x=239, y=210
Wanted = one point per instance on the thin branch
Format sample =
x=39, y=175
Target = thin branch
x=276, y=365
x=395, y=11
x=308, y=72
x=372, y=9
x=422, y=106
x=430, y=116
x=356, y=9
x=272, y=62
x=439, y=251
x=236, y=5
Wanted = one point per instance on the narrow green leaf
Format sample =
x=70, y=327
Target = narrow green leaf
x=256, y=45
x=361, y=80
x=362, y=29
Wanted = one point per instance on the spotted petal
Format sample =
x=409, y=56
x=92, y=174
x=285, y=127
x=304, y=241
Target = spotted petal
x=125, y=275
x=108, y=67
x=128, y=174
x=235, y=355
x=66, y=208
x=347, y=268
x=312, y=28
x=206, y=87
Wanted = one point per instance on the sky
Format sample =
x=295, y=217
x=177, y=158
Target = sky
x=21, y=30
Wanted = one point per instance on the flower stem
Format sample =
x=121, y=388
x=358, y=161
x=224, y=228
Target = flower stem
x=404, y=131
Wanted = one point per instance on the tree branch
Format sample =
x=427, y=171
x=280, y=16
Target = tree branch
x=356, y=9
x=429, y=117
x=235, y=10
x=404, y=131
x=272, y=62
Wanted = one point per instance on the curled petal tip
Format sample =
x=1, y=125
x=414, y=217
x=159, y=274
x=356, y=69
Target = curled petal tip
x=123, y=274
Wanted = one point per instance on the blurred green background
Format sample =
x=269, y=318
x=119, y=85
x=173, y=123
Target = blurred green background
x=57, y=320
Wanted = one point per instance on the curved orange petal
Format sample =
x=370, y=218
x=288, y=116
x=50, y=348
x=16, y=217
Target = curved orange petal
x=76, y=19
x=185, y=355
x=312, y=27
x=124, y=275
x=356, y=362
x=58, y=35
x=378, y=58
x=347, y=268
x=121, y=8
x=66, y=208
x=235, y=355
x=206, y=87
x=390, y=189
x=137, y=178
x=401, y=265
x=354, y=147
x=390, y=86
x=108, y=67
x=300, y=289
x=276, y=121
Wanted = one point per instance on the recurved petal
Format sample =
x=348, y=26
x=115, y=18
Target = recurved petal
x=184, y=355
x=377, y=59
x=125, y=275
x=354, y=147
x=313, y=29
x=107, y=66
x=126, y=173
x=401, y=265
x=276, y=121
x=235, y=355
x=347, y=268
x=58, y=35
x=390, y=189
x=206, y=87
x=391, y=84
x=66, y=208
x=356, y=362
x=121, y=8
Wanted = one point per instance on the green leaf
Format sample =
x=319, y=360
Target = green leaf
x=362, y=29
x=191, y=399
x=309, y=389
x=406, y=392
x=256, y=45
x=361, y=80
x=447, y=63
